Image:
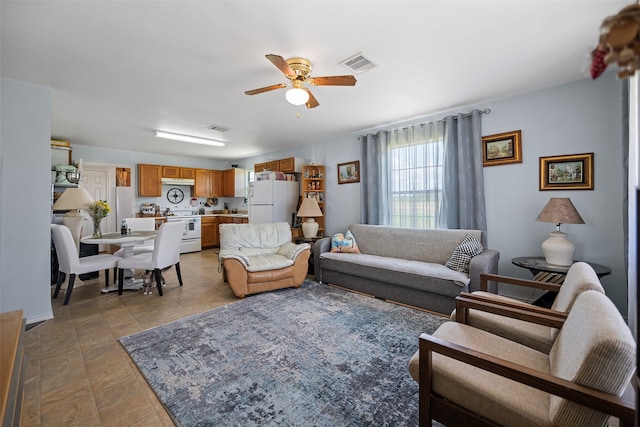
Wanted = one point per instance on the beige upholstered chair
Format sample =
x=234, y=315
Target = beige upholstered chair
x=166, y=253
x=70, y=263
x=260, y=257
x=580, y=278
x=471, y=377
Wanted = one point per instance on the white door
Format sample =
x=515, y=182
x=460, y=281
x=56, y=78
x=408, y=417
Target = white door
x=100, y=183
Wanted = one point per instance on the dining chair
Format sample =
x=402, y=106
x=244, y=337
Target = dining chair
x=69, y=262
x=166, y=253
x=521, y=328
x=139, y=224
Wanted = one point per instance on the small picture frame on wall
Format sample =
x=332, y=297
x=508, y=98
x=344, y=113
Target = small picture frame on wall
x=502, y=148
x=567, y=172
x=349, y=172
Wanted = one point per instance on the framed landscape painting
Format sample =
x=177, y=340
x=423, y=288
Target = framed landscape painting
x=502, y=148
x=349, y=172
x=568, y=172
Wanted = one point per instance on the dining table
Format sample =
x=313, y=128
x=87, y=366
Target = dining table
x=126, y=242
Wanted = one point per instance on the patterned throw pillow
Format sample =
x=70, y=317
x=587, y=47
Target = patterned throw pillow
x=462, y=255
x=344, y=243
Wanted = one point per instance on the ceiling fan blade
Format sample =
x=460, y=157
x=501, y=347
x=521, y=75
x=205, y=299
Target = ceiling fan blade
x=312, y=102
x=265, y=89
x=282, y=65
x=333, y=81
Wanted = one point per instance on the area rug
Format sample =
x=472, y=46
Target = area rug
x=312, y=356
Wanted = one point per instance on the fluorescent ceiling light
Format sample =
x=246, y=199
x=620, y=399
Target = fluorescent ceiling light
x=188, y=138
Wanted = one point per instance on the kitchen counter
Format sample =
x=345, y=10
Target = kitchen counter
x=238, y=215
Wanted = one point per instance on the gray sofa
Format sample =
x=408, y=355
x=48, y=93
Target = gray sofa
x=404, y=265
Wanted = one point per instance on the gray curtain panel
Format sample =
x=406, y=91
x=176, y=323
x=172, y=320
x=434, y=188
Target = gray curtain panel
x=463, y=205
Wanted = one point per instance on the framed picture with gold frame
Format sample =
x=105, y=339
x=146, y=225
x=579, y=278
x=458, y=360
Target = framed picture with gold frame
x=502, y=148
x=567, y=172
x=349, y=172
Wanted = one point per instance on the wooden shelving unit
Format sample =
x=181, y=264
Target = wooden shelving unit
x=312, y=185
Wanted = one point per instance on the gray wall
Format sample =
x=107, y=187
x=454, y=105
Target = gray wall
x=25, y=194
x=578, y=117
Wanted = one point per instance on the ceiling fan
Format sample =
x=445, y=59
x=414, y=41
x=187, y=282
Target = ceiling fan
x=298, y=71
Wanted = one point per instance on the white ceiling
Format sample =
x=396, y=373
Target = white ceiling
x=120, y=70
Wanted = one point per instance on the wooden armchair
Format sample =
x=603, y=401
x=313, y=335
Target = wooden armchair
x=480, y=309
x=473, y=378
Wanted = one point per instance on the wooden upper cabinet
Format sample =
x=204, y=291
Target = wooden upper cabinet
x=202, y=187
x=188, y=173
x=170, y=172
x=234, y=182
x=217, y=183
x=287, y=165
x=149, y=180
x=178, y=172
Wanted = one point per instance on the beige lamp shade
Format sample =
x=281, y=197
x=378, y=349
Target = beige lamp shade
x=557, y=249
x=73, y=199
x=309, y=209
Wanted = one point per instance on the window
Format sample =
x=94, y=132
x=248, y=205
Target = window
x=416, y=173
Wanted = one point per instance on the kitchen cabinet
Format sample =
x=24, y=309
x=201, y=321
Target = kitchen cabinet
x=234, y=182
x=210, y=236
x=217, y=183
x=178, y=172
x=273, y=165
x=288, y=165
x=149, y=180
x=202, y=186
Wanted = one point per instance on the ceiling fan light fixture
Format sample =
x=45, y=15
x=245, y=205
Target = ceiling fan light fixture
x=188, y=138
x=297, y=96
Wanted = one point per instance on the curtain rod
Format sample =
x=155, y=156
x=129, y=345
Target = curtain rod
x=485, y=111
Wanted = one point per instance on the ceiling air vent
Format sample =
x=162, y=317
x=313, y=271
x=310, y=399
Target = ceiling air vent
x=218, y=128
x=358, y=63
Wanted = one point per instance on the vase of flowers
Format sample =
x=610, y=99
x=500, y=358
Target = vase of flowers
x=98, y=210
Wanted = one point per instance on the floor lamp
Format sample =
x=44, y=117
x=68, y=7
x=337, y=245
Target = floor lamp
x=73, y=200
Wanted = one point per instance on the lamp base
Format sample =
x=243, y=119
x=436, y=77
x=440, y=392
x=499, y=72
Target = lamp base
x=310, y=228
x=73, y=220
x=558, y=250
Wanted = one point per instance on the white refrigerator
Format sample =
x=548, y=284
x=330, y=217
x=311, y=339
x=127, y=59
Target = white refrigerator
x=273, y=201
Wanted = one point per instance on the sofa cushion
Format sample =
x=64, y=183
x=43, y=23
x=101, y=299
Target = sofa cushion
x=270, y=235
x=268, y=262
x=431, y=245
x=389, y=269
x=459, y=260
x=345, y=243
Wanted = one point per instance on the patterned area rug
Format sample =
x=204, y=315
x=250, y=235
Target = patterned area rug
x=313, y=356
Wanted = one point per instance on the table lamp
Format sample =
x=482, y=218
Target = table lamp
x=73, y=200
x=558, y=250
x=309, y=209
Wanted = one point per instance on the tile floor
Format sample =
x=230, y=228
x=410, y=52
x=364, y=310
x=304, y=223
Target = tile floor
x=77, y=374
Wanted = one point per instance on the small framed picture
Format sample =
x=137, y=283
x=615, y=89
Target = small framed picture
x=349, y=172
x=568, y=172
x=502, y=148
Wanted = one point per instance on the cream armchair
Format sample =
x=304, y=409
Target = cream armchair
x=260, y=257
x=471, y=377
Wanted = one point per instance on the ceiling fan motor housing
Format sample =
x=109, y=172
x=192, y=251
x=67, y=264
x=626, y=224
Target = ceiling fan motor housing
x=301, y=66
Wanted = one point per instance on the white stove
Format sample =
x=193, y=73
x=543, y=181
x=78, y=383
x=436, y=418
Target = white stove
x=192, y=235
